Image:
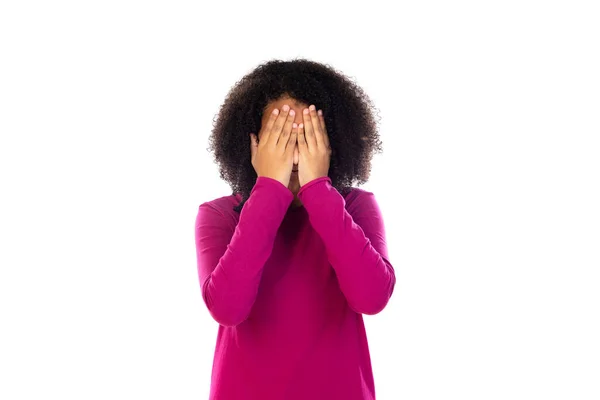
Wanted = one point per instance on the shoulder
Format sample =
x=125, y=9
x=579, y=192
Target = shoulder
x=350, y=193
x=223, y=203
x=358, y=200
x=354, y=194
x=222, y=208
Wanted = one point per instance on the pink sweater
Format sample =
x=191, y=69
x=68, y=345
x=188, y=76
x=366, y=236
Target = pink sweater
x=288, y=287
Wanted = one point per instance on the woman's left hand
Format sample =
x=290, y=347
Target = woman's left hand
x=314, y=150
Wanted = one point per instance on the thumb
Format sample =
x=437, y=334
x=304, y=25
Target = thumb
x=253, y=145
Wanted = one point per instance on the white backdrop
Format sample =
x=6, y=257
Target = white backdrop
x=489, y=185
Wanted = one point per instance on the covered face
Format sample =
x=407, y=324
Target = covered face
x=298, y=107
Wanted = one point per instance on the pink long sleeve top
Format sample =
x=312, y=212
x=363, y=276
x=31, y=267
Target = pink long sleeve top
x=288, y=287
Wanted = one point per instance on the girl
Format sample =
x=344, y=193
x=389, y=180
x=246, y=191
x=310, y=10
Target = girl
x=293, y=258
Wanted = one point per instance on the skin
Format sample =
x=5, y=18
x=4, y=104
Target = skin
x=312, y=151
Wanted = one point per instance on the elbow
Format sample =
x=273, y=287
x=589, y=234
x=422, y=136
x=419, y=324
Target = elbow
x=374, y=302
x=227, y=314
x=371, y=307
x=228, y=318
x=224, y=312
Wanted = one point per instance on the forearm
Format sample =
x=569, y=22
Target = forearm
x=230, y=290
x=365, y=275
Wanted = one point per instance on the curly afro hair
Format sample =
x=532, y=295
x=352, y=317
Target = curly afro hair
x=348, y=111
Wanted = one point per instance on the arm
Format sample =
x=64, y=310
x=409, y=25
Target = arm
x=231, y=258
x=355, y=244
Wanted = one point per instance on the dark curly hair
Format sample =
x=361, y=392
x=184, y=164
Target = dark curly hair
x=348, y=111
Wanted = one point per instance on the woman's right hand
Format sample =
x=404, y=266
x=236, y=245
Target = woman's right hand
x=273, y=157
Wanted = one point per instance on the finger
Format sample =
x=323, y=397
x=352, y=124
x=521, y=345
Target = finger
x=314, y=119
x=309, y=133
x=294, y=127
x=291, y=145
x=323, y=129
x=301, y=139
x=287, y=130
x=269, y=126
x=275, y=131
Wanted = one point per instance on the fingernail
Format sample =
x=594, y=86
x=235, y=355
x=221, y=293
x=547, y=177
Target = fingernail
x=294, y=125
x=320, y=112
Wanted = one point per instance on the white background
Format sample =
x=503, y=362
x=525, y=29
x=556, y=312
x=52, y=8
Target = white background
x=489, y=185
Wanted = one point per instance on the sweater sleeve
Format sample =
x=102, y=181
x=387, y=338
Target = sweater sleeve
x=355, y=244
x=230, y=258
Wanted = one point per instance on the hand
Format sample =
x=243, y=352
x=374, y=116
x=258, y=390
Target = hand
x=313, y=147
x=273, y=157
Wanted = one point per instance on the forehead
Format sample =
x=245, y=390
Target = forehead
x=285, y=100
